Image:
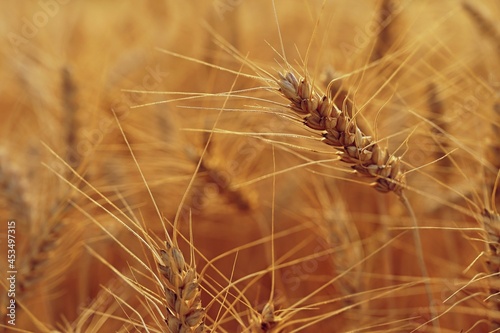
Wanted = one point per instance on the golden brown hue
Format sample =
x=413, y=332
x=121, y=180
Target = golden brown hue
x=165, y=177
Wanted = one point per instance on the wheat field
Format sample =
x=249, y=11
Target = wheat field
x=250, y=166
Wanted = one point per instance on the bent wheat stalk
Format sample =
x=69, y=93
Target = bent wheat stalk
x=361, y=151
x=341, y=131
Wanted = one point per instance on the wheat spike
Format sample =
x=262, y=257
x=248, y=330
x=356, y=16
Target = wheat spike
x=341, y=131
x=184, y=311
x=266, y=320
x=436, y=115
x=39, y=255
x=68, y=88
x=14, y=188
x=210, y=174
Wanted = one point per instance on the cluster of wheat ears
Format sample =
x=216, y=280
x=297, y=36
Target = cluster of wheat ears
x=241, y=166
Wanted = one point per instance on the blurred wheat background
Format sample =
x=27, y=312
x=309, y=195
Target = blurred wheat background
x=134, y=131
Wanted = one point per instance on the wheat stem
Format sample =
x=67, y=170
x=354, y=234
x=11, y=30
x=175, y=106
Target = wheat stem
x=421, y=262
x=362, y=152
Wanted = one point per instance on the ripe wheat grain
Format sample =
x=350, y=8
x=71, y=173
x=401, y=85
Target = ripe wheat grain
x=340, y=130
x=184, y=311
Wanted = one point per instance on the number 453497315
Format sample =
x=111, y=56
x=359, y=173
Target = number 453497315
x=11, y=243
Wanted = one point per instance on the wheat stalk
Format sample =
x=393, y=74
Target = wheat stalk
x=182, y=292
x=341, y=131
x=361, y=151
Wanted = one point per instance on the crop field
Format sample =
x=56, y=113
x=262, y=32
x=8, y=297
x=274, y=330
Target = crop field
x=250, y=166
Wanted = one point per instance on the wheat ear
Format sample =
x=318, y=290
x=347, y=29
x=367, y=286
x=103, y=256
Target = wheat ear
x=212, y=175
x=14, y=188
x=184, y=311
x=68, y=88
x=341, y=131
x=266, y=320
x=39, y=255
